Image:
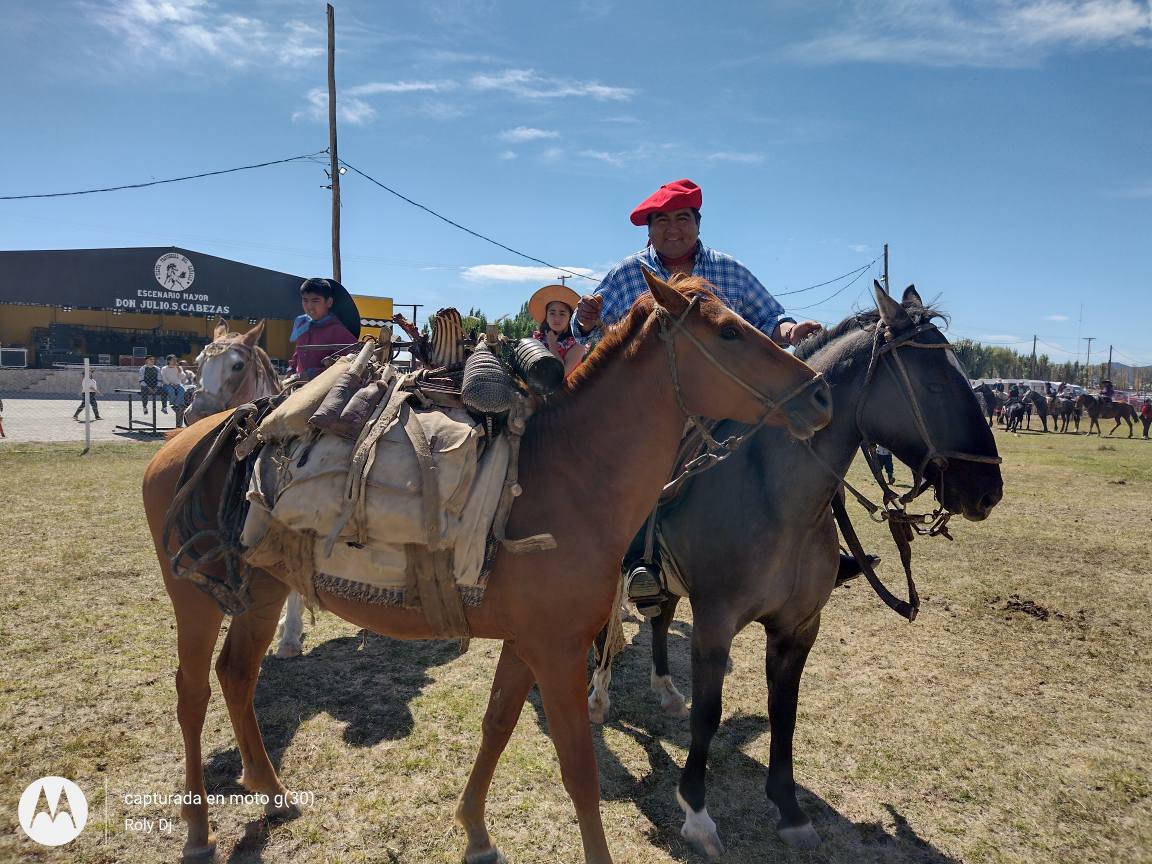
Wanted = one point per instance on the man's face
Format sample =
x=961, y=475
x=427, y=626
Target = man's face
x=316, y=306
x=151, y=361
x=674, y=232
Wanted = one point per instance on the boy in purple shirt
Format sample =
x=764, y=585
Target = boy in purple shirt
x=330, y=320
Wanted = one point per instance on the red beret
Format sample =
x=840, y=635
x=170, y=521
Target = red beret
x=677, y=195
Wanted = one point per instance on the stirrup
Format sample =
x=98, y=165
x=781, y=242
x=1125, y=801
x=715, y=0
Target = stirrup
x=643, y=583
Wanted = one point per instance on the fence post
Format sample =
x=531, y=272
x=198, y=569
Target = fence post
x=87, y=408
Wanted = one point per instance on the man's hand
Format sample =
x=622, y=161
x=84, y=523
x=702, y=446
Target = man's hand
x=588, y=312
x=794, y=334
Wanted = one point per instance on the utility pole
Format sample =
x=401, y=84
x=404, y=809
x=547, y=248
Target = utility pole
x=1087, y=357
x=1032, y=365
x=886, y=291
x=1109, y=375
x=564, y=279
x=332, y=143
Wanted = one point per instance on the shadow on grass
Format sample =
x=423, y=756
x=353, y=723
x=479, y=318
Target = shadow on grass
x=744, y=817
x=365, y=681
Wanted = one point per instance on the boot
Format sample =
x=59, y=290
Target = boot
x=849, y=568
x=645, y=589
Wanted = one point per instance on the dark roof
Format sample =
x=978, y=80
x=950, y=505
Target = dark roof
x=153, y=279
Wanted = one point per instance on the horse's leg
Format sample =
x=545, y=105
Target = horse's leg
x=671, y=699
x=510, y=688
x=711, y=644
x=783, y=665
x=599, y=700
x=290, y=634
x=197, y=628
x=238, y=669
x=560, y=670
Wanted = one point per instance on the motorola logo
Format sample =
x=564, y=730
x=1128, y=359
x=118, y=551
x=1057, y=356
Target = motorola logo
x=53, y=811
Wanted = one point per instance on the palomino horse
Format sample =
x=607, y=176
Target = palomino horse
x=1121, y=412
x=679, y=350
x=754, y=539
x=235, y=370
x=1063, y=409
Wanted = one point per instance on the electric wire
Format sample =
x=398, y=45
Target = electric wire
x=463, y=228
x=161, y=182
x=830, y=296
x=829, y=282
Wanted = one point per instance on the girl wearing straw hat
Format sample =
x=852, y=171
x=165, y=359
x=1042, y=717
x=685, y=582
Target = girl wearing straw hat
x=551, y=307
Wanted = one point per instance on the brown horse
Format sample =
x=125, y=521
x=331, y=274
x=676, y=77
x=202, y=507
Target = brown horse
x=546, y=607
x=1121, y=412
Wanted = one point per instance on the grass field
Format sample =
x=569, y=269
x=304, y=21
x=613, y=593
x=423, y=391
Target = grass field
x=1011, y=723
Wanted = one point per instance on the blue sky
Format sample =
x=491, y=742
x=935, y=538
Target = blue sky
x=1003, y=148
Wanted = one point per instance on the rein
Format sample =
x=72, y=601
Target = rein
x=715, y=451
x=903, y=526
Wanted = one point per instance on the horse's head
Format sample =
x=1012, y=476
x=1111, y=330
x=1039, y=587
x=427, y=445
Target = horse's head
x=725, y=368
x=921, y=407
x=233, y=370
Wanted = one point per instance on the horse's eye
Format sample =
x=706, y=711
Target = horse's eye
x=238, y=365
x=730, y=332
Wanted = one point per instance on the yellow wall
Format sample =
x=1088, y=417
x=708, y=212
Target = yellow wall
x=17, y=323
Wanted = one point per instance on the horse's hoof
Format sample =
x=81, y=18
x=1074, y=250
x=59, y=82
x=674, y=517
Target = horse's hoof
x=282, y=814
x=700, y=831
x=492, y=856
x=677, y=708
x=800, y=836
x=198, y=854
x=597, y=714
x=287, y=649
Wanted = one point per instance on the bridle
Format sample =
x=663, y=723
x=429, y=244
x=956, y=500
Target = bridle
x=904, y=526
x=715, y=451
x=222, y=346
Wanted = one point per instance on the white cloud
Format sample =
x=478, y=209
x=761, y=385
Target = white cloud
x=1056, y=318
x=859, y=247
x=529, y=85
x=191, y=32
x=526, y=133
x=729, y=156
x=552, y=154
x=507, y=155
x=517, y=273
x=1001, y=337
x=375, y=87
x=348, y=109
x=979, y=33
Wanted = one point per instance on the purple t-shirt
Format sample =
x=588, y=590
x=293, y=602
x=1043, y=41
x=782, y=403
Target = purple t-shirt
x=306, y=361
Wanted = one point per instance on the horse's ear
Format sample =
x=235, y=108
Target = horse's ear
x=253, y=336
x=221, y=329
x=891, y=312
x=911, y=295
x=665, y=294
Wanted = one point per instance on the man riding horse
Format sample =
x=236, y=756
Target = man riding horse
x=672, y=216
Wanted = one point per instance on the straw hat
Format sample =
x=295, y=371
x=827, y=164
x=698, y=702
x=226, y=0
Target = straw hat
x=538, y=302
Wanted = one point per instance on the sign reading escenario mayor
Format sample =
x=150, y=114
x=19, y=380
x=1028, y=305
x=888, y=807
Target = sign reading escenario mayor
x=175, y=275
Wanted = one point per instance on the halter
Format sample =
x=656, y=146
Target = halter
x=903, y=526
x=219, y=347
x=715, y=451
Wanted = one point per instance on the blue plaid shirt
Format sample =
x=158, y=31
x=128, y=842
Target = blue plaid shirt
x=732, y=281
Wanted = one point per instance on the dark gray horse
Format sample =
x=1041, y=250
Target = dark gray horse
x=1063, y=409
x=1033, y=401
x=1014, y=414
x=754, y=538
x=990, y=400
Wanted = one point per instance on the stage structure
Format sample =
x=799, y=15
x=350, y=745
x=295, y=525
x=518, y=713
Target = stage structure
x=113, y=306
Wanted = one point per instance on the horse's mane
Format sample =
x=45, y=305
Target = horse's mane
x=858, y=322
x=622, y=336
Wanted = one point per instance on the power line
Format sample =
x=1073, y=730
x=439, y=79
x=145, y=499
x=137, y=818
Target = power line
x=829, y=282
x=476, y=234
x=160, y=182
x=830, y=296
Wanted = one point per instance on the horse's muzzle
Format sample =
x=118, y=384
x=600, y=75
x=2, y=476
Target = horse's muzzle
x=810, y=410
